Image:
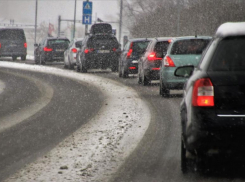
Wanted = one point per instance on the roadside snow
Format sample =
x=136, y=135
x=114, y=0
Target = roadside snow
x=97, y=149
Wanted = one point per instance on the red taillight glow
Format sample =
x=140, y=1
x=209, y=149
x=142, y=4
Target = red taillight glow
x=132, y=68
x=170, y=40
x=168, y=62
x=0, y=45
x=114, y=49
x=25, y=45
x=46, y=49
x=86, y=51
x=74, y=50
x=129, y=53
x=152, y=57
x=155, y=68
x=203, y=93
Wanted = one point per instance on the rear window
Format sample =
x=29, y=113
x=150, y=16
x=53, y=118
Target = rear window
x=192, y=46
x=58, y=41
x=103, y=40
x=161, y=46
x=229, y=55
x=12, y=34
x=140, y=46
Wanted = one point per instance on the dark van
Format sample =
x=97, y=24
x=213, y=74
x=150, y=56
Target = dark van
x=13, y=43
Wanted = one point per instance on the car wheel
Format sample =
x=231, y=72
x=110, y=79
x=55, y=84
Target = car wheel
x=83, y=69
x=119, y=71
x=71, y=66
x=145, y=80
x=78, y=68
x=124, y=73
x=23, y=58
x=164, y=92
x=139, y=78
x=41, y=61
x=14, y=58
x=114, y=68
x=183, y=158
x=35, y=60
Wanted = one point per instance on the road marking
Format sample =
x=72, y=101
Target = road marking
x=21, y=115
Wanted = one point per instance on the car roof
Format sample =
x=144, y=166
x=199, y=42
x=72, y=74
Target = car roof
x=231, y=29
x=55, y=38
x=163, y=38
x=140, y=39
x=191, y=37
x=10, y=28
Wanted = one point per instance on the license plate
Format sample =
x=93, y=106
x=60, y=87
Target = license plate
x=103, y=51
x=59, y=50
x=135, y=61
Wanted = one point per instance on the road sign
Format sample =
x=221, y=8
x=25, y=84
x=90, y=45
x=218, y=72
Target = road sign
x=87, y=8
x=87, y=19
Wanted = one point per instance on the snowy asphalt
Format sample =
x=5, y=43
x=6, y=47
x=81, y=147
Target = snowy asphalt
x=157, y=157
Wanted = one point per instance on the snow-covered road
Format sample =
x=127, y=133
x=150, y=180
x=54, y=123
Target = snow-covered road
x=97, y=149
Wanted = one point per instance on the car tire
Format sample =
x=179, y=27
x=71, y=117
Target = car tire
x=119, y=71
x=83, y=69
x=78, y=68
x=35, y=60
x=164, y=92
x=70, y=66
x=124, y=73
x=139, y=79
x=41, y=61
x=114, y=68
x=23, y=58
x=14, y=58
x=183, y=158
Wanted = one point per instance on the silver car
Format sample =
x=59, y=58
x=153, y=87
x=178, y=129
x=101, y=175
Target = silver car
x=71, y=52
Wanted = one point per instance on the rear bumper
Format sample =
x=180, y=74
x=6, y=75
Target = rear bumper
x=49, y=56
x=152, y=74
x=10, y=54
x=210, y=131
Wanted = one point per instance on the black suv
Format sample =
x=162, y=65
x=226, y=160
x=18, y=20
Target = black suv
x=13, y=43
x=98, y=51
x=50, y=49
x=128, y=62
x=213, y=107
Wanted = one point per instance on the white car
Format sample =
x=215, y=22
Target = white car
x=71, y=52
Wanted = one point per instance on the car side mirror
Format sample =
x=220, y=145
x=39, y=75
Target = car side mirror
x=184, y=71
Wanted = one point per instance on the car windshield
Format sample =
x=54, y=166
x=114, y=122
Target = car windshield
x=140, y=46
x=161, y=46
x=191, y=46
x=230, y=55
x=58, y=41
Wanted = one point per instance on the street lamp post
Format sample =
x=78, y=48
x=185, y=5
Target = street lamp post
x=120, y=23
x=36, y=22
x=74, y=28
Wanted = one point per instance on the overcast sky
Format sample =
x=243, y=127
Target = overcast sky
x=23, y=11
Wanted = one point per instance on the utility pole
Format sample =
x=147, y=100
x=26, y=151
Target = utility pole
x=59, y=20
x=120, y=22
x=36, y=23
x=74, y=27
x=86, y=26
x=178, y=19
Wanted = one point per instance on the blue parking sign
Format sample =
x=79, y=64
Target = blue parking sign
x=87, y=19
x=87, y=8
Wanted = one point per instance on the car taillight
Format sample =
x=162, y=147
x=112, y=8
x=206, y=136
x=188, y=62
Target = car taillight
x=168, y=62
x=74, y=50
x=132, y=68
x=25, y=45
x=46, y=49
x=203, y=93
x=155, y=69
x=114, y=49
x=130, y=50
x=86, y=51
x=0, y=45
x=152, y=57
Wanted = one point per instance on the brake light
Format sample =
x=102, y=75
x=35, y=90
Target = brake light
x=152, y=57
x=114, y=49
x=46, y=49
x=130, y=50
x=203, y=93
x=168, y=62
x=74, y=50
x=132, y=68
x=0, y=45
x=25, y=45
x=86, y=51
x=155, y=68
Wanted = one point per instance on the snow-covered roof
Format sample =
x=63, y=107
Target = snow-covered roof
x=231, y=29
